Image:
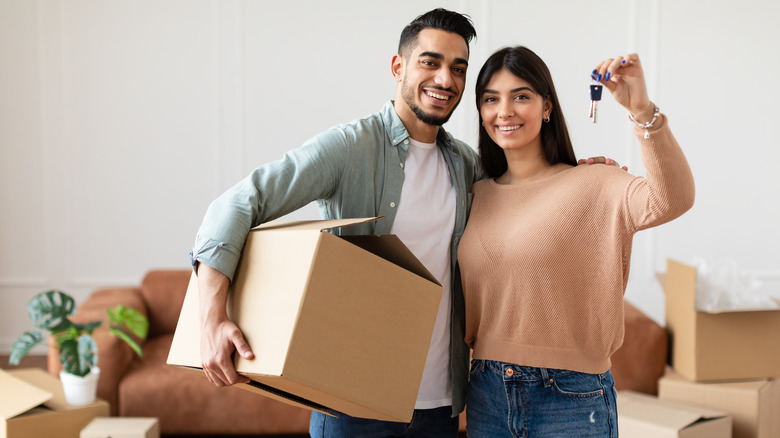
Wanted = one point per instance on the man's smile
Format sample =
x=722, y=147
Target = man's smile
x=437, y=95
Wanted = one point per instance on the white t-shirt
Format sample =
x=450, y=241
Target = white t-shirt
x=424, y=223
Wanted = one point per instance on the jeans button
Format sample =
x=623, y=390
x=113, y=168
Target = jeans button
x=510, y=372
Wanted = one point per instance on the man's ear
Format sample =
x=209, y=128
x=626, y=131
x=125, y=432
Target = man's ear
x=397, y=67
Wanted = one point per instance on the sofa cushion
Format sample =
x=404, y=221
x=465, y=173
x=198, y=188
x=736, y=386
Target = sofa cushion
x=187, y=403
x=163, y=291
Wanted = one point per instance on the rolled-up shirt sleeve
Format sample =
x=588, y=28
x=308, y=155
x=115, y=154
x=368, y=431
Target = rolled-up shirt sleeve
x=303, y=175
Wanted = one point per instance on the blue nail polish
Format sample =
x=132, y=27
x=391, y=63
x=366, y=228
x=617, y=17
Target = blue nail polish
x=598, y=78
x=623, y=61
x=607, y=78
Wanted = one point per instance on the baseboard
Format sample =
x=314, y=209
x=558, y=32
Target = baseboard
x=29, y=361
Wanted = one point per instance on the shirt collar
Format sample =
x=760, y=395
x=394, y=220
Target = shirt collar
x=397, y=132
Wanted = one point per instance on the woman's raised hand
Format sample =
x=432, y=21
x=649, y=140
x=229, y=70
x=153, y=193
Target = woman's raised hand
x=624, y=78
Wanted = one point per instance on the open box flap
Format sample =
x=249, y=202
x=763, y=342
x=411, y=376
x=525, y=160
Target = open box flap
x=744, y=309
x=392, y=249
x=676, y=416
x=314, y=225
x=18, y=395
x=388, y=247
x=676, y=280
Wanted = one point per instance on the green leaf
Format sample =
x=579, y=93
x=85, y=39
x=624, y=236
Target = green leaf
x=88, y=351
x=127, y=338
x=69, y=356
x=24, y=343
x=50, y=310
x=78, y=356
x=87, y=328
x=133, y=320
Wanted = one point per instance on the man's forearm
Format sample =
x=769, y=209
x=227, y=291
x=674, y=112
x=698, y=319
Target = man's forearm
x=213, y=291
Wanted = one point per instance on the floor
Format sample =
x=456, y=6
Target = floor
x=39, y=361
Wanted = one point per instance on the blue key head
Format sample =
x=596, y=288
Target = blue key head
x=595, y=91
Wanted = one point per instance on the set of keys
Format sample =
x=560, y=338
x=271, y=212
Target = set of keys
x=595, y=97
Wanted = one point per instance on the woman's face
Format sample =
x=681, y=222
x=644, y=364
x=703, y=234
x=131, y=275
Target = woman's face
x=512, y=112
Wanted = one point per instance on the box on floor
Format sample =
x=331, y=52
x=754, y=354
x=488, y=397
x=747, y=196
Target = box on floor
x=718, y=346
x=122, y=427
x=753, y=405
x=33, y=405
x=337, y=324
x=644, y=416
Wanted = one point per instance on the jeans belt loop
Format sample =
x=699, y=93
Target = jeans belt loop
x=546, y=378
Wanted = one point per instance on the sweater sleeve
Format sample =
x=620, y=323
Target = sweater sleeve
x=668, y=189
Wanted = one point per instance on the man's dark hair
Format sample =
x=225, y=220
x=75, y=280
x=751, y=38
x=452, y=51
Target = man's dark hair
x=441, y=19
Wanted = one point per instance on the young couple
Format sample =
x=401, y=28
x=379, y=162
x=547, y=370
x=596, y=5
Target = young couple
x=543, y=262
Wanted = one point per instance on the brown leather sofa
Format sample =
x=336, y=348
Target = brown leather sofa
x=187, y=404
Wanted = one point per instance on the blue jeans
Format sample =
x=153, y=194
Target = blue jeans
x=507, y=400
x=433, y=423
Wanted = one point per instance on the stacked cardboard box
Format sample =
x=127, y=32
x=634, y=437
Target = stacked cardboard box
x=33, y=405
x=124, y=427
x=644, y=416
x=727, y=361
x=754, y=405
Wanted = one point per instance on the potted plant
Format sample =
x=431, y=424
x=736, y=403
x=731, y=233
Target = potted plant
x=78, y=350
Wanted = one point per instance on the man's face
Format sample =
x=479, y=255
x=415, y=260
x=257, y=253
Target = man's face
x=434, y=75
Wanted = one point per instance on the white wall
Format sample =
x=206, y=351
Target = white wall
x=121, y=120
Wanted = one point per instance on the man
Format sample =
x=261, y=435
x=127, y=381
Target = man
x=398, y=163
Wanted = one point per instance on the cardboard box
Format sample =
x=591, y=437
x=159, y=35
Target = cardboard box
x=122, y=427
x=753, y=405
x=33, y=405
x=718, y=346
x=644, y=416
x=337, y=324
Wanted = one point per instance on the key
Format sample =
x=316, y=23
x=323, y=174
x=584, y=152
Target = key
x=595, y=97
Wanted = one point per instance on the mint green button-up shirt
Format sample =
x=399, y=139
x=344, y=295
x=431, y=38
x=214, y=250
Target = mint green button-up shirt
x=352, y=170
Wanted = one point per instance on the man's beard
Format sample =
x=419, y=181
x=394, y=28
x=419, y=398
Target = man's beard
x=429, y=119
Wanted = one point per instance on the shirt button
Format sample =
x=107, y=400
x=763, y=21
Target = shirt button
x=510, y=372
x=402, y=165
x=406, y=141
x=392, y=205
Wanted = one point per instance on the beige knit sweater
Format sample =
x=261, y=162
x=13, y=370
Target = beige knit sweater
x=545, y=264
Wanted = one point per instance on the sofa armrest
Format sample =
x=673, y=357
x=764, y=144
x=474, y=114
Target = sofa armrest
x=163, y=291
x=640, y=361
x=114, y=355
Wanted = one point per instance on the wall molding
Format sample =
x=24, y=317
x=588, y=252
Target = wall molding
x=6, y=342
x=229, y=85
x=9, y=282
x=101, y=282
x=648, y=49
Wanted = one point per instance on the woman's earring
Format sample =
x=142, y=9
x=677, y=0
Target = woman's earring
x=547, y=118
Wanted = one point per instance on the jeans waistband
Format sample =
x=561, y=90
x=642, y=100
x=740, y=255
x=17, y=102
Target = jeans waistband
x=519, y=372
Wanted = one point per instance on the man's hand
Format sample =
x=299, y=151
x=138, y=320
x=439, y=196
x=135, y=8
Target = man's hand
x=601, y=160
x=219, y=336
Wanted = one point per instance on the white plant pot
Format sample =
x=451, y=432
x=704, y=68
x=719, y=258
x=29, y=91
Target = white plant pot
x=80, y=390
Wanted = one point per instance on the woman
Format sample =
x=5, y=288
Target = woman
x=545, y=256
